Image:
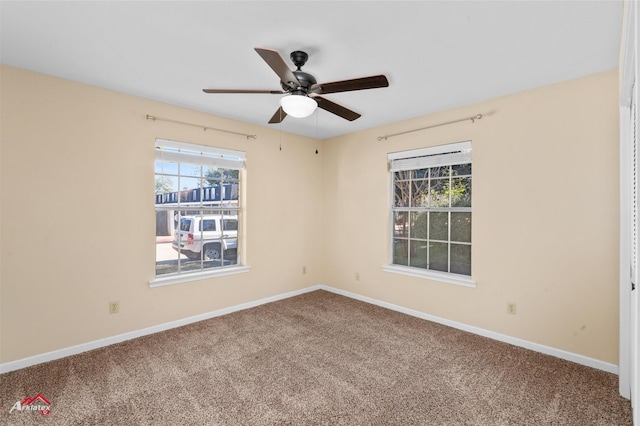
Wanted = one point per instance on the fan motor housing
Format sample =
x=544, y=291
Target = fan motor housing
x=306, y=81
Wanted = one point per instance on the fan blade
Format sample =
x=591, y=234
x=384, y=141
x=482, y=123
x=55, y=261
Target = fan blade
x=275, y=61
x=363, y=83
x=278, y=116
x=336, y=109
x=269, y=92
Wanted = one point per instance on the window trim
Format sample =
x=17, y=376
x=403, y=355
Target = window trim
x=197, y=276
x=408, y=160
x=445, y=277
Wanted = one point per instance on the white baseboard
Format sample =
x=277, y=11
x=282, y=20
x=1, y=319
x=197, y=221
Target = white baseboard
x=84, y=347
x=558, y=353
x=73, y=350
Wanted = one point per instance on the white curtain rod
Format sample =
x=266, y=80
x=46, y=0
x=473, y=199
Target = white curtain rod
x=473, y=120
x=205, y=128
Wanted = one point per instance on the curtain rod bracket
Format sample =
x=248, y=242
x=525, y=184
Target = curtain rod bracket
x=205, y=128
x=472, y=119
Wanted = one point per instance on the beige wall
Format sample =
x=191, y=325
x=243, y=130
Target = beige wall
x=545, y=224
x=78, y=224
x=545, y=216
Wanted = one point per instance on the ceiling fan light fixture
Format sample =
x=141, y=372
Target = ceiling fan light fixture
x=298, y=106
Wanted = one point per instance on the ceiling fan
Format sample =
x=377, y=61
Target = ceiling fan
x=301, y=89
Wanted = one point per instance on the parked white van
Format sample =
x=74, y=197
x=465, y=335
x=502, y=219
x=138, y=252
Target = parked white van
x=207, y=237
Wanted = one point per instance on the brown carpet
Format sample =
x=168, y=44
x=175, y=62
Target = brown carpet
x=314, y=359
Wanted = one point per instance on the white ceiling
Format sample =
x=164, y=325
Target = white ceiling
x=436, y=54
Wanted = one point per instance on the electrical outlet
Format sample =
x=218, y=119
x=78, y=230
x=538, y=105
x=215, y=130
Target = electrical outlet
x=304, y=270
x=357, y=276
x=114, y=307
x=511, y=308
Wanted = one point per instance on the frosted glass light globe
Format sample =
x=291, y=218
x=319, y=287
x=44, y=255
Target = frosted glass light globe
x=298, y=106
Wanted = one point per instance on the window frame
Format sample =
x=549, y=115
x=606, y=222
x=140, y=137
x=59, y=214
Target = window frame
x=221, y=158
x=416, y=159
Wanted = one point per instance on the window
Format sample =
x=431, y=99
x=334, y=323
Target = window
x=431, y=212
x=198, y=209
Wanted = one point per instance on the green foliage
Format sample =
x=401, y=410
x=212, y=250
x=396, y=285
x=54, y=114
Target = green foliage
x=163, y=185
x=218, y=176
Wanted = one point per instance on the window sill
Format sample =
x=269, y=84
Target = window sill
x=177, y=279
x=456, y=279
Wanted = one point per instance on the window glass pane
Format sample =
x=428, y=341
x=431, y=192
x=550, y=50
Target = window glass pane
x=439, y=226
x=230, y=239
x=164, y=167
x=461, y=259
x=189, y=265
x=196, y=230
x=190, y=170
x=419, y=225
x=442, y=171
x=461, y=226
x=439, y=194
x=166, y=256
x=418, y=257
x=420, y=193
x=402, y=189
x=229, y=192
x=230, y=224
x=230, y=247
x=212, y=253
x=461, y=192
x=421, y=174
x=216, y=183
x=400, y=252
x=164, y=224
x=218, y=175
x=185, y=225
x=211, y=193
x=402, y=175
x=400, y=224
x=438, y=256
x=207, y=225
x=191, y=192
x=166, y=184
x=461, y=169
x=189, y=183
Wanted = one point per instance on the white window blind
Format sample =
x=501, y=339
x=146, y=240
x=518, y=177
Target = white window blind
x=444, y=155
x=199, y=155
